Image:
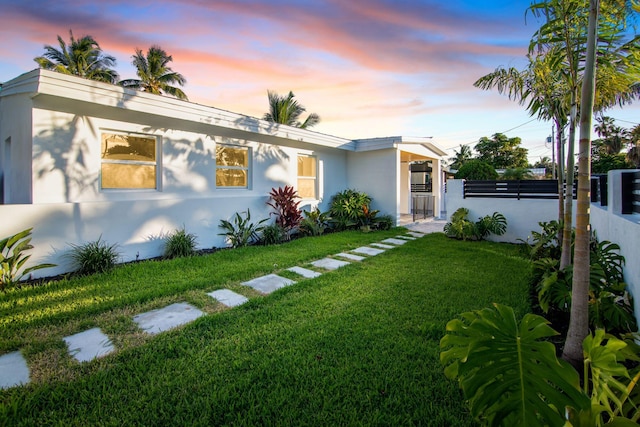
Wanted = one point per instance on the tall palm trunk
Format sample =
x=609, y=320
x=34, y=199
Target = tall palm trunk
x=579, y=321
x=560, y=174
x=565, y=257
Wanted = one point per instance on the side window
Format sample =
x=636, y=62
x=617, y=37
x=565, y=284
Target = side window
x=307, y=177
x=232, y=166
x=128, y=162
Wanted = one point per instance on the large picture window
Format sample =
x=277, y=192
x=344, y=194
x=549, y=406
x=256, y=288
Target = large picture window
x=307, y=177
x=128, y=162
x=232, y=166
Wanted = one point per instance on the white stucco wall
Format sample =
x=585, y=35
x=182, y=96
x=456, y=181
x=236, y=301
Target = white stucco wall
x=15, y=127
x=376, y=173
x=522, y=215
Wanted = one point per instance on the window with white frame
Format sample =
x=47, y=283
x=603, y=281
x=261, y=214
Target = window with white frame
x=307, y=177
x=232, y=166
x=128, y=161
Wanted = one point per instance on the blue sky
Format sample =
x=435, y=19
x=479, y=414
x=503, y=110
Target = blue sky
x=367, y=67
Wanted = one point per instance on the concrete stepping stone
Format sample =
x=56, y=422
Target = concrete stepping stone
x=382, y=246
x=393, y=241
x=352, y=257
x=169, y=317
x=406, y=237
x=329, y=263
x=228, y=297
x=269, y=283
x=415, y=234
x=304, y=272
x=366, y=250
x=88, y=345
x=13, y=370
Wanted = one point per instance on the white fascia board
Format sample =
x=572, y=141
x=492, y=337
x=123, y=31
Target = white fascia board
x=370, y=144
x=50, y=83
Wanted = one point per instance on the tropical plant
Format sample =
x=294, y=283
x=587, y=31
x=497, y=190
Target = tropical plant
x=476, y=170
x=545, y=243
x=460, y=227
x=179, y=243
x=93, y=257
x=287, y=111
x=610, y=305
x=367, y=218
x=314, y=222
x=516, y=174
x=286, y=203
x=507, y=371
x=510, y=374
x=154, y=74
x=13, y=257
x=346, y=208
x=241, y=232
x=82, y=57
x=273, y=234
x=460, y=157
x=385, y=222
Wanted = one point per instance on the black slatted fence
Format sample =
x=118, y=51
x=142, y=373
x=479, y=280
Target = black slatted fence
x=514, y=189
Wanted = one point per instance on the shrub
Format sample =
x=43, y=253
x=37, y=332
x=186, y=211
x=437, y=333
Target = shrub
x=241, y=232
x=610, y=304
x=385, y=222
x=287, y=211
x=461, y=228
x=347, y=208
x=13, y=258
x=179, y=244
x=315, y=222
x=530, y=385
x=94, y=257
x=273, y=234
x=517, y=174
x=476, y=170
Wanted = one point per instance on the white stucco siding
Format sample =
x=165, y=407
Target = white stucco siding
x=376, y=173
x=15, y=148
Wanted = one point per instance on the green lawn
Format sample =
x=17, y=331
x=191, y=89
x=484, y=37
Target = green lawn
x=356, y=346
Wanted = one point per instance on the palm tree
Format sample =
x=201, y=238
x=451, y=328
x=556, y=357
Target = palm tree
x=287, y=111
x=633, y=155
x=460, y=157
x=82, y=57
x=614, y=136
x=154, y=74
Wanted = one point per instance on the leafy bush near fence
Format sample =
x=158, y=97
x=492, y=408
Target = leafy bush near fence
x=460, y=227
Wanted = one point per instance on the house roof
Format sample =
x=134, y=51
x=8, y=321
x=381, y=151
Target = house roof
x=57, y=91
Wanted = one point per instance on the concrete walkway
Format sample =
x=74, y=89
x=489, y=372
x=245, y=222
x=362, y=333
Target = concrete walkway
x=93, y=343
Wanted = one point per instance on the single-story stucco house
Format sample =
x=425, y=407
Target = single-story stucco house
x=80, y=160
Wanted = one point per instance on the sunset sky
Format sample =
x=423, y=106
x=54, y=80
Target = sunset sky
x=367, y=67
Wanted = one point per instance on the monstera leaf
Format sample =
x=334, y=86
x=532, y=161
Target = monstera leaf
x=509, y=374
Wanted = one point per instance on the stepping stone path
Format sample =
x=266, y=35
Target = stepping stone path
x=88, y=345
x=350, y=256
x=365, y=250
x=169, y=317
x=329, y=263
x=269, y=283
x=382, y=246
x=394, y=241
x=305, y=272
x=228, y=297
x=13, y=370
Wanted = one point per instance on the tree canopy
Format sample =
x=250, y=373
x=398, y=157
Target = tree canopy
x=155, y=76
x=287, y=111
x=502, y=152
x=82, y=57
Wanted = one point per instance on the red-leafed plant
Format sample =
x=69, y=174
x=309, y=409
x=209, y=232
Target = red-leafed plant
x=286, y=203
